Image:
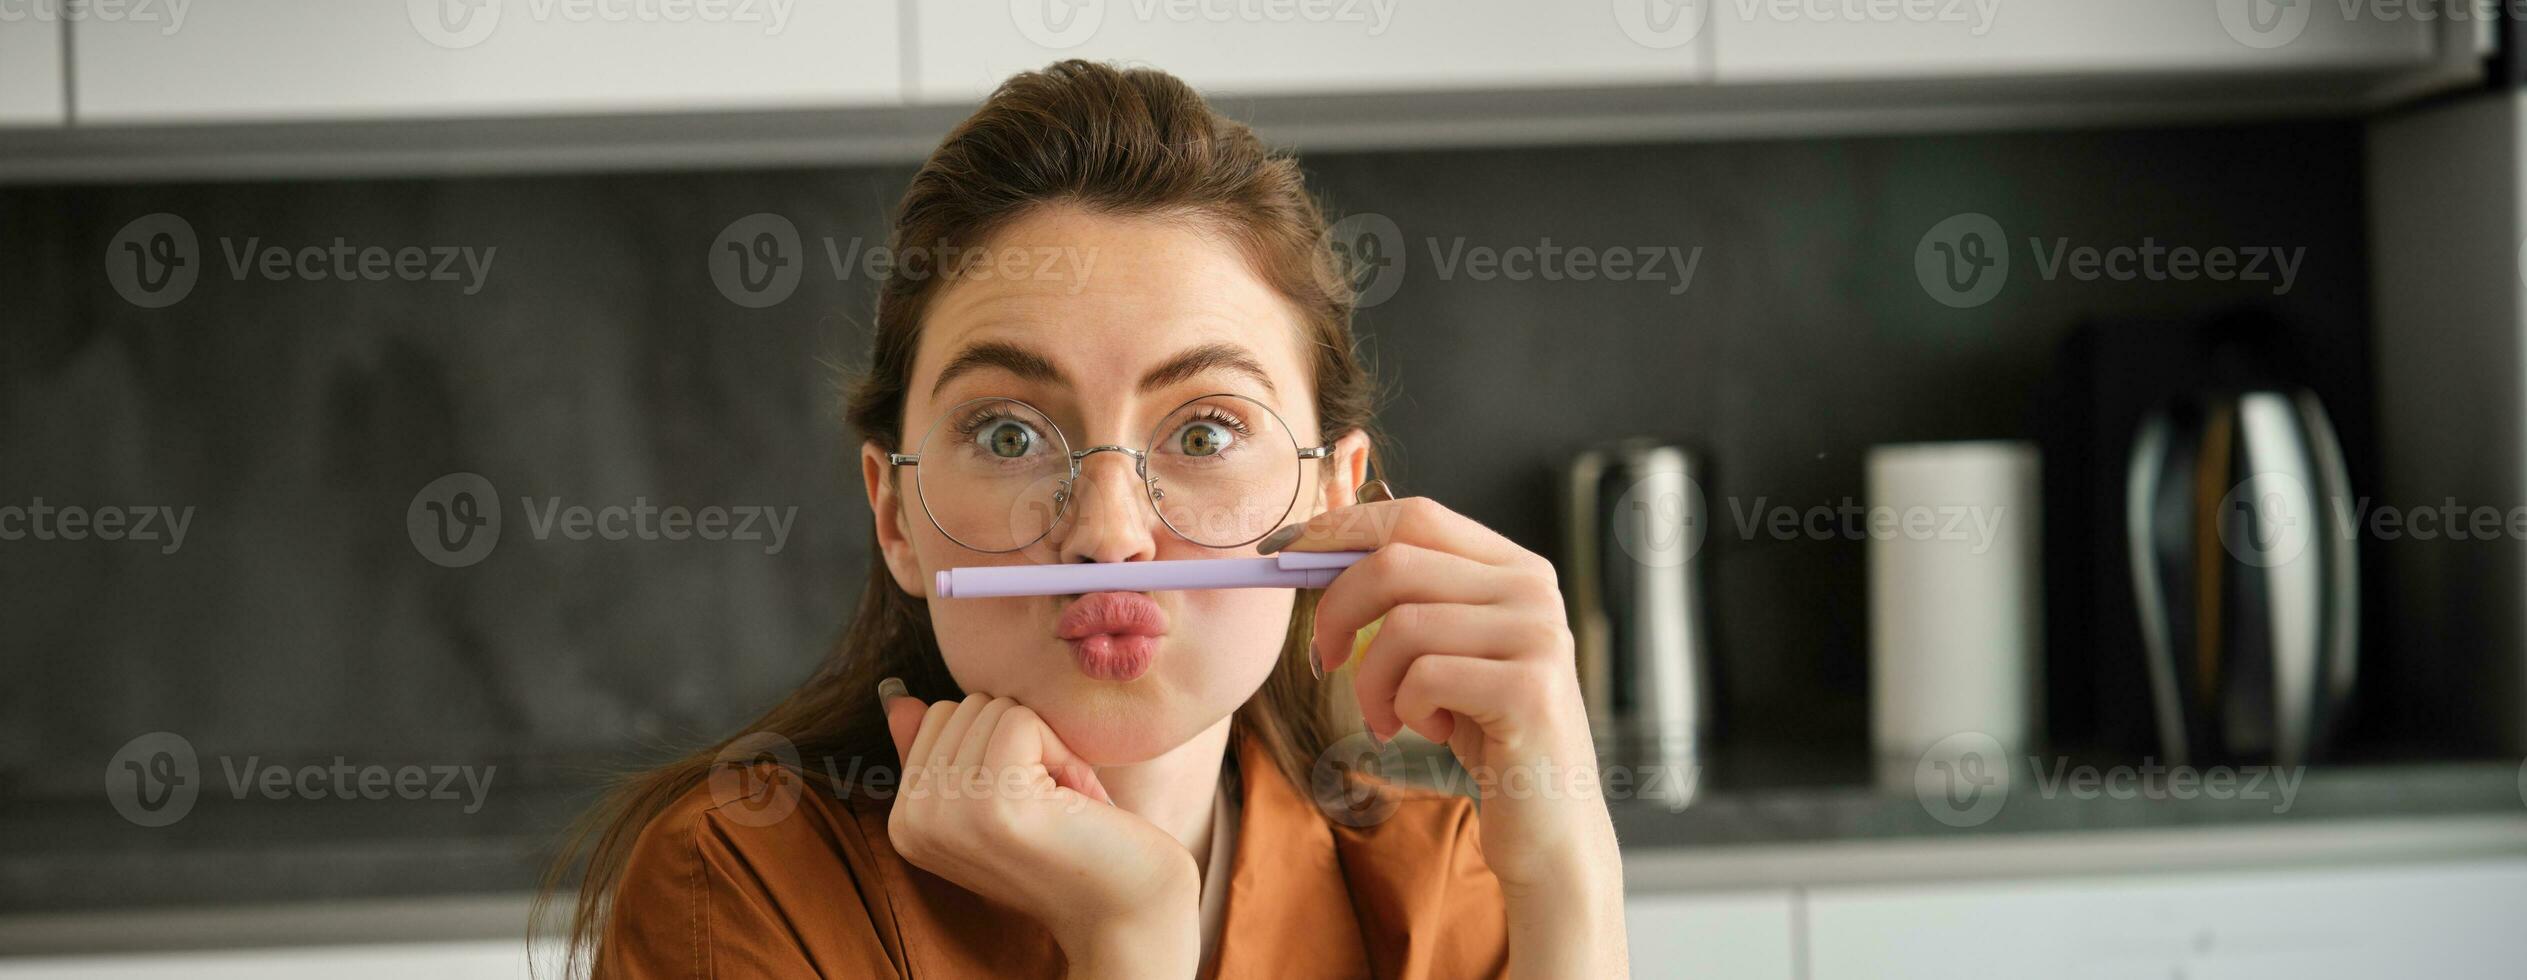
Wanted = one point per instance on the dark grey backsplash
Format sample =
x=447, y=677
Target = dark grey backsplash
x=599, y=364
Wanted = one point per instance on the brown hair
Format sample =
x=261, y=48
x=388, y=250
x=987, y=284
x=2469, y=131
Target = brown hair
x=1081, y=134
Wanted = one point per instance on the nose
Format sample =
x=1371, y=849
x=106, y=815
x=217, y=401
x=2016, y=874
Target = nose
x=1110, y=515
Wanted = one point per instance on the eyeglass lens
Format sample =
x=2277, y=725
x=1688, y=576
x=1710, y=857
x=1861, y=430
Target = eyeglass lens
x=995, y=474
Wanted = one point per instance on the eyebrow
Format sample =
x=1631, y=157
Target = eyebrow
x=1207, y=357
x=1009, y=357
x=1031, y=366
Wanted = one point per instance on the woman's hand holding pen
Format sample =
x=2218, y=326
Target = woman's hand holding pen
x=992, y=800
x=1475, y=652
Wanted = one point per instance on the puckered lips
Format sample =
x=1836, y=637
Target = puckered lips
x=1112, y=635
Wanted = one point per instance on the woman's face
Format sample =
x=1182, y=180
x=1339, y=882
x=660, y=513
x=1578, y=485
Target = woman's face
x=1116, y=322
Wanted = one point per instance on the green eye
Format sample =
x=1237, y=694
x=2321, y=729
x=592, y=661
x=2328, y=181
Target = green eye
x=1203, y=439
x=1007, y=440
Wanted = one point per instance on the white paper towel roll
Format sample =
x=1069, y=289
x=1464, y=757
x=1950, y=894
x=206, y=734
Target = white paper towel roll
x=1956, y=613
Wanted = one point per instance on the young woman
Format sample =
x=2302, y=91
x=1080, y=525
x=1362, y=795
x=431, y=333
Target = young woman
x=1129, y=784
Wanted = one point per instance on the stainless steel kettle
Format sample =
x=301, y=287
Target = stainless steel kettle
x=1634, y=521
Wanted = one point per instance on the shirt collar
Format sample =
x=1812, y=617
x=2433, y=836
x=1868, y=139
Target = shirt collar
x=1289, y=908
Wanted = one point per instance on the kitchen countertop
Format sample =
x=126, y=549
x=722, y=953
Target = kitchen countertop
x=79, y=856
x=500, y=918
x=2036, y=803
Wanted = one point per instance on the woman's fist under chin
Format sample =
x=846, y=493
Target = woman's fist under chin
x=992, y=800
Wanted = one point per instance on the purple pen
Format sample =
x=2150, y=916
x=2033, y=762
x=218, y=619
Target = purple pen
x=1287, y=570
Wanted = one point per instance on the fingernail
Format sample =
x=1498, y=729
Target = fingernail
x=1315, y=664
x=1280, y=539
x=1374, y=491
x=891, y=688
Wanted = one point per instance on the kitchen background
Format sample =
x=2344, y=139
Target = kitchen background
x=581, y=351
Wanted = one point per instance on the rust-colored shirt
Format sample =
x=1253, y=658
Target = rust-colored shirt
x=719, y=891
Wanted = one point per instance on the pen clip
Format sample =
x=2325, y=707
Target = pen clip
x=1296, y=561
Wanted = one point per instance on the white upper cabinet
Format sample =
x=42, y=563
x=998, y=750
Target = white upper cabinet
x=30, y=70
x=1307, y=47
x=288, y=60
x=652, y=83
x=1858, y=40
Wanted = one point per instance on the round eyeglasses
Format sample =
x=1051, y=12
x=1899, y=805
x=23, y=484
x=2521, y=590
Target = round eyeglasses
x=995, y=475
